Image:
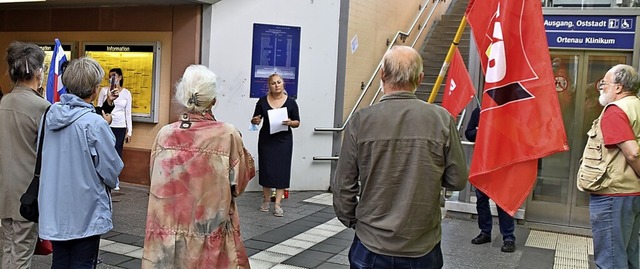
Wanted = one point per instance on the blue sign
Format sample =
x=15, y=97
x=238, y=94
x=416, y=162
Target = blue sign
x=593, y=32
x=276, y=49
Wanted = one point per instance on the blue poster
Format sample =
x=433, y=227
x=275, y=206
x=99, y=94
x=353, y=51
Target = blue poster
x=590, y=32
x=276, y=49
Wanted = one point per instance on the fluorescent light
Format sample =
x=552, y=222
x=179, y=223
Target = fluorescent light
x=19, y=1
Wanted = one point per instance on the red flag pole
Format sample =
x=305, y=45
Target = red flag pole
x=447, y=60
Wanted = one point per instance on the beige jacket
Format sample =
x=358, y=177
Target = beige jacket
x=397, y=155
x=20, y=115
x=604, y=170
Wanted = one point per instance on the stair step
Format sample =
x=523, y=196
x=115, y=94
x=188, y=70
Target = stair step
x=462, y=46
x=437, y=45
x=440, y=55
x=449, y=26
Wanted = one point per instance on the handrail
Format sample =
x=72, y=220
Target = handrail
x=412, y=45
x=334, y=158
x=399, y=34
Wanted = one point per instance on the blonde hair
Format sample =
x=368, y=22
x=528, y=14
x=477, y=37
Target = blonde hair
x=281, y=78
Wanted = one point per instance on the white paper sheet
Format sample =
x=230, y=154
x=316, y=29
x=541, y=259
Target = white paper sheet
x=276, y=117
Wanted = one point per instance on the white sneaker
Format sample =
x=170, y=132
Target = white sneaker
x=117, y=188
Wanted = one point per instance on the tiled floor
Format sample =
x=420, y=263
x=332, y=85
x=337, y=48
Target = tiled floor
x=571, y=251
x=284, y=252
x=310, y=236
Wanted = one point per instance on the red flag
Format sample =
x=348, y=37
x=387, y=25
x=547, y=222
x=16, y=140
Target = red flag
x=459, y=88
x=520, y=120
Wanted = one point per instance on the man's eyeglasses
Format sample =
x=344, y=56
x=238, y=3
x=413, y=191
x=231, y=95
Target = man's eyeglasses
x=603, y=83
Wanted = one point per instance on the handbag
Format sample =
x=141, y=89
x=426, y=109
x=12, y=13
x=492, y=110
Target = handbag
x=43, y=247
x=29, y=200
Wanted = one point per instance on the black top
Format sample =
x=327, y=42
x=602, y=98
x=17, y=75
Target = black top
x=275, y=150
x=472, y=129
x=106, y=107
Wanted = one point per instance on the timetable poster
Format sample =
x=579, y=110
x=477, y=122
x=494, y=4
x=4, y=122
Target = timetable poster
x=276, y=49
x=137, y=64
x=48, y=54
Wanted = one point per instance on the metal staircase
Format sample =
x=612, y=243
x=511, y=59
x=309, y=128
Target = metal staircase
x=437, y=45
x=434, y=52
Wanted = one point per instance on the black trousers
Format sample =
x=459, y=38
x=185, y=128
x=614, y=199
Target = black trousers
x=76, y=254
x=120, y=134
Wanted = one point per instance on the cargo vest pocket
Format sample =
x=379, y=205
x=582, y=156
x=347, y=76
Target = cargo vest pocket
x=592, y=165
x=591, y=177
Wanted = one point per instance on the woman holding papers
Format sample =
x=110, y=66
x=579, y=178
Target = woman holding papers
x=275, y=142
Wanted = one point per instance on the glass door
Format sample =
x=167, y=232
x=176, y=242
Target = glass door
x=555, y=198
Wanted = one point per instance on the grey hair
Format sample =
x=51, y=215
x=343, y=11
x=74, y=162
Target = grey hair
x=627, y=77
x=82, y=76
x=197, y=88
x=25, y=60
x=402, y=66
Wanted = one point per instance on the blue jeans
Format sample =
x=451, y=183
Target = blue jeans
x=361, y=258
x=615, y=223
x=76, y=254
x=485, y=220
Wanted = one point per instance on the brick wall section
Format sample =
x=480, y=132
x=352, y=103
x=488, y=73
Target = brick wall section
x=136, y=166
x=375, y=21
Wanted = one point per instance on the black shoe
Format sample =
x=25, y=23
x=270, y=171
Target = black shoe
x=481, y=239
x=508, y=246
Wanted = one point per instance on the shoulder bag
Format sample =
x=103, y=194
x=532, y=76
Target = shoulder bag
x=29, y=200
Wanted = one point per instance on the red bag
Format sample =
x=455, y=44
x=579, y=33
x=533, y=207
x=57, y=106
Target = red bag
x=43, y=247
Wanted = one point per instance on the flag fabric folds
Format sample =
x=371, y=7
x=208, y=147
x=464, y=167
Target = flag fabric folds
x=520, y=120
x=55, y=88
x=458, y=88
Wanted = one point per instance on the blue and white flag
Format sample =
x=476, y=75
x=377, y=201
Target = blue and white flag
x=55, y=88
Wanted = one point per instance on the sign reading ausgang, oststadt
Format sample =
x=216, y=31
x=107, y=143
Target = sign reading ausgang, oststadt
x=592, y=32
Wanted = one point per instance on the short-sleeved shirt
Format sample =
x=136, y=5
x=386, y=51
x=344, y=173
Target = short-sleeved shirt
x=615, y=126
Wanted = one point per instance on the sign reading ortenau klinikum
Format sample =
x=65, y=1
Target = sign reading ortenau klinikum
x=590, y=32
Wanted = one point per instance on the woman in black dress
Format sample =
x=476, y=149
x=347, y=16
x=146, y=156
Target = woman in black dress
x=275, y=150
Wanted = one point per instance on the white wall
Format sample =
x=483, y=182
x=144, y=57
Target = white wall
x=230, y=33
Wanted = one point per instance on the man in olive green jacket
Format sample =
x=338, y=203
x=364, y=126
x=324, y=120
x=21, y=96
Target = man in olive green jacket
x=397, y=155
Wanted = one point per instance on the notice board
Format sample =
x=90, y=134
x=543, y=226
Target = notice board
x=276, y=49
x=140, y=69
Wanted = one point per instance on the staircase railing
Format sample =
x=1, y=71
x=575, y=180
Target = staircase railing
x=375, y=97
x=399, y=35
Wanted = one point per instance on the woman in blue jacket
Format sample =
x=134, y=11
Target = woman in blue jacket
x=79, y=168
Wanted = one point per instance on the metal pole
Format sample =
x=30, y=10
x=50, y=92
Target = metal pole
x=447, y=60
